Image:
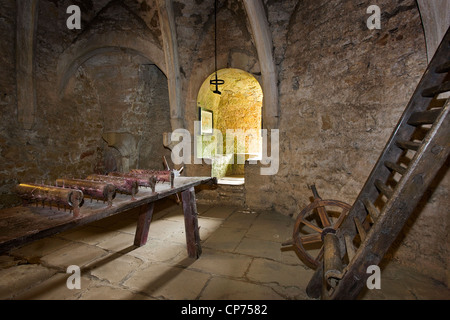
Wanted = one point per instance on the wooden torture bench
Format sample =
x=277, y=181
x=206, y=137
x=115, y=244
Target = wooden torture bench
x=23, y=224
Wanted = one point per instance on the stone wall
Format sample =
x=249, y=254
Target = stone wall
x=88, y=82
x=342, y=89
x=133, y=98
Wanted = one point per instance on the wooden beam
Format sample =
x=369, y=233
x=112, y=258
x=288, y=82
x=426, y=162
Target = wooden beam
x=191, y=223
x=143, y=224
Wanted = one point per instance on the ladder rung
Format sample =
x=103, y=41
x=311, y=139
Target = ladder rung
x=425, y=117
x=408, y=144
x=431, y=92
x=361, y=231
x=371, y=209
x=384, y=189
x=437, y=103
x=443, y=68
x=350, y=247
x=396, y=167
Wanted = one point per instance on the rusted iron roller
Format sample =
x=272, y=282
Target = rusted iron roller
x=312, y=224
x=60, y=196
x=122, y=184
x=95, y=189
x=161, y=175
x=141, y=181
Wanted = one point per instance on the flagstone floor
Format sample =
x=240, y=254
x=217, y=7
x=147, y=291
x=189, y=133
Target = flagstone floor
x=242, y=259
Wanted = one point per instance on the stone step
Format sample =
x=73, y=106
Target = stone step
x=222, y=195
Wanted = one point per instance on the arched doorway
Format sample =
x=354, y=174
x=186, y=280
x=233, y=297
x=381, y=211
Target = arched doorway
x=231, y=124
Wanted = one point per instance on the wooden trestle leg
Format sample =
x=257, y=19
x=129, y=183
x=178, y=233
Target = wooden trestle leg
x=143, y=225
x=191, y=223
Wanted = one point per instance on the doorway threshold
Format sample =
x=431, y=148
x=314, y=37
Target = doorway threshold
x=232, y=180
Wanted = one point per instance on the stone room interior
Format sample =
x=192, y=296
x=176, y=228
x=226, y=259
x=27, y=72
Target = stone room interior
x=224, y=150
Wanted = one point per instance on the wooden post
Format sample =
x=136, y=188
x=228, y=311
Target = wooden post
x=314, y=288
x=143, y=225
x=191, y=223
x=332, y=262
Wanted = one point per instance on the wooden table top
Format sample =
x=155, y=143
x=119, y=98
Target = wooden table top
x=22, y=224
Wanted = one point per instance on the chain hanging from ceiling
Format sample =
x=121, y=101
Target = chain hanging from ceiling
x=215, y=81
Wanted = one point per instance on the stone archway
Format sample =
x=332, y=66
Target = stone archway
x=236, y=119
x=436, y=20
x=83, y=50
x=122, y=78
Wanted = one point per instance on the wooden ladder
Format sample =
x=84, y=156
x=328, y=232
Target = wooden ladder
x=416, y=150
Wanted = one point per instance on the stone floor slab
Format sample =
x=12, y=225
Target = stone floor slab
x=208, y=226
x=259, y=248
x=229, y=289
x=225, y=239
x=218, y=263
x=7, y=261
x=115, y=268
x=55, y=288
x=78, y=254
x=168, y=282
x=18, y=279
x=240, y=220
x=272, y=228
x=202, y=208
x=105, y=292
x=219, y=212
x=37, y=249
x=172, y=214
x=118, y=241
x=167, y=230
x=126, y=225
x=87, y=234
x=268, y=271
x=162, y=251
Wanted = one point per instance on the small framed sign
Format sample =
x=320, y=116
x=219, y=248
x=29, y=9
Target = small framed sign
x=206, y=121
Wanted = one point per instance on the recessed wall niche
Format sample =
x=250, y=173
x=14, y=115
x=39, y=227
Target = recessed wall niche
x=132, y=96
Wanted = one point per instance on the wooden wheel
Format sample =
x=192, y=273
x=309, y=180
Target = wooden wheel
x=313, y=222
